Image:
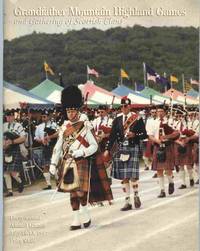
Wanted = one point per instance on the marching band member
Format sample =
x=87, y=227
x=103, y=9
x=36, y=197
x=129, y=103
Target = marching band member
x=127, y=131
x=73, y=155
x=183, y=151
x=148, y=153
x=46, y=134
x=102, y=126
x=14, y=135
x=163, y=156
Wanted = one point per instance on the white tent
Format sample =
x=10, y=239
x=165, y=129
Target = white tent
x=14, y=95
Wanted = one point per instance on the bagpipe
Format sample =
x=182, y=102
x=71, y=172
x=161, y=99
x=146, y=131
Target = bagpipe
x=9, y=136
x=9, y=149
x=48, y=131
x=73, y=128
x=167, y=134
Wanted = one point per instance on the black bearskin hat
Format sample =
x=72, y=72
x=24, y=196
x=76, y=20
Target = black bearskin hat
x=71, y=97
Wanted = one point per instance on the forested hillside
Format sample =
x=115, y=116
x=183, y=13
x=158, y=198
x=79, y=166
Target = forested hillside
x=165, y=49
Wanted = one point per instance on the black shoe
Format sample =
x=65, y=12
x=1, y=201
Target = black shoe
x=87, y=224
x=192, y=182
x=47, y=188
x=20, y=187
x=162, y=194
x=9, y=194
x=171, y=188
x=182, y=187
x=137, y=201
x=197, y=182
x=147, y=168
x=126, y=207
x=155, y=176
x=72, y=228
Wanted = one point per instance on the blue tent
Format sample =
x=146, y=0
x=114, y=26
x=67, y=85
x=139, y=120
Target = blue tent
x=135, y=96
x=122, y=91
x=193, y=93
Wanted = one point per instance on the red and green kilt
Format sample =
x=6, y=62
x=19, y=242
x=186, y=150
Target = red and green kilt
x=195, y=153
x=83, y=173
x=168, y=164
x=182, y=159
x=99, y=183
x=148, y=151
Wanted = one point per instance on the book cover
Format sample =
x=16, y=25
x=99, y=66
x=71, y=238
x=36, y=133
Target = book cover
x=49, y=45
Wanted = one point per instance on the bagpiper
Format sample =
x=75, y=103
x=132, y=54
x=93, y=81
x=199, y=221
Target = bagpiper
x=46, y=134
x=14, y=136
x=127, y=131
x=163, y=136
x=183, y=149
x=148, y=149
x=74, y=155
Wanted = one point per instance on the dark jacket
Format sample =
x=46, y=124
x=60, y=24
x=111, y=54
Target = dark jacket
x=117, y=132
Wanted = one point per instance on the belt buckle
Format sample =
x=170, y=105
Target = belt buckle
x=125, y=143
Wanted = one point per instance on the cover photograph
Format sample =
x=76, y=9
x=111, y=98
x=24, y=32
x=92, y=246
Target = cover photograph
x=100, y=127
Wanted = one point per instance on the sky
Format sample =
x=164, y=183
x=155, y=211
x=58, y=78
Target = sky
x=18, y=21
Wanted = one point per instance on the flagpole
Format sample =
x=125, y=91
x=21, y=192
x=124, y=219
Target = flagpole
x=135, y=86
x=121, y=81
x=171, y=81
x=183, y=82
x=165, y=76
x=145, y=74
x=87, y=74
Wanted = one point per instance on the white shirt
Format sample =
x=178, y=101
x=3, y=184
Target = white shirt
x=106, y=121
x=14, y=127
x=153, y=130
x=85, y=133
x=39, y=132
x=127, y=116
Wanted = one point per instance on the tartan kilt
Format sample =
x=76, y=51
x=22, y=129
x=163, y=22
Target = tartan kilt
x=100, y=189
x=186, y=158
x=128, y=169
x=83, y=173
x=16, y=165
x=38, y=155
x=141, y=148
x=169, y=162
x=148, y=149
x=195, y=153
x=46, y=155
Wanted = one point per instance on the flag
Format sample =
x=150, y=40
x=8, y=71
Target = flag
x=149, y=70
x=173, y=79
x=194, y=82
x=123, y=74
x=140, y=87
x=47, y=68
x=188, y=87
x=154, y=76
x=92, y=72
x=151, y=77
